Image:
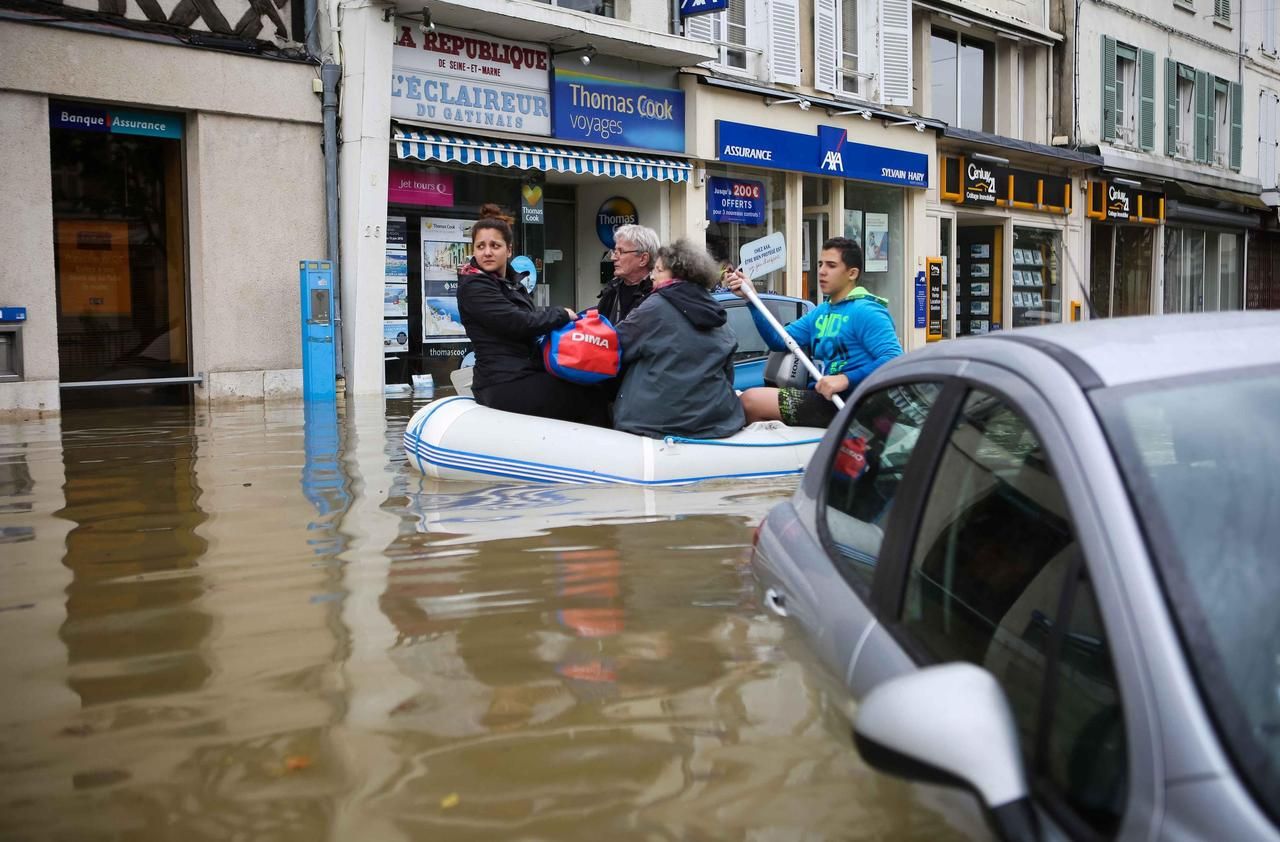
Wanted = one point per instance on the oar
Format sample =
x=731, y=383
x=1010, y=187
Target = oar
x=792, y=345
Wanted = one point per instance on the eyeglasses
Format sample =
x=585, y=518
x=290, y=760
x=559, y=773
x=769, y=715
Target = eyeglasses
x=625, y=251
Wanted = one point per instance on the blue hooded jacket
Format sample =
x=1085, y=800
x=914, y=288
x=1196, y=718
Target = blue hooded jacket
x=852, y=337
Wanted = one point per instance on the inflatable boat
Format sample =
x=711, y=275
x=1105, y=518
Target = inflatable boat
x=457, y=438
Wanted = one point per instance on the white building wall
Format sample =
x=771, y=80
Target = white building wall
x=255, y=196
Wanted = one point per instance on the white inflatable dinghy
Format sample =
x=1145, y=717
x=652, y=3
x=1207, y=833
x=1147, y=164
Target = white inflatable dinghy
x=457, y=438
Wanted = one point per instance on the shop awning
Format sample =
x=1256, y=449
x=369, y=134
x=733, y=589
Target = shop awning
x=459, y=149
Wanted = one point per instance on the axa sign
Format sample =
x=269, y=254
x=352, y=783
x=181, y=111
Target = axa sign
x=831, y=143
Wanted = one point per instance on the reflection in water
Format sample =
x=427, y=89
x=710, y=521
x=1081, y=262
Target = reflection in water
x=133, y=628
x=258, y=623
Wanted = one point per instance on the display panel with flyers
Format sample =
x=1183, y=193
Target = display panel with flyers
x=446, y=247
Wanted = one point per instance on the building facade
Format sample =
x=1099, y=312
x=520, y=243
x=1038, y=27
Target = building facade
x=163, y=179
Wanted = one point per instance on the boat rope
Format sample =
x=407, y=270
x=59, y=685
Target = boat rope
x=716, y=443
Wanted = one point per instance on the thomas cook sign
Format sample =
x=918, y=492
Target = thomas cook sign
x=471, y=81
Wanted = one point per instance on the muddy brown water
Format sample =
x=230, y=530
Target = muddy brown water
x=258, y=623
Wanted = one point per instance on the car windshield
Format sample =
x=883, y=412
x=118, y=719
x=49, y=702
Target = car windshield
x=1201, y=458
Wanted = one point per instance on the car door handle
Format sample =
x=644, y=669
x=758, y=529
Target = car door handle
x=776, y=601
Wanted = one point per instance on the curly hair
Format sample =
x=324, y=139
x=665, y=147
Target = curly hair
x=690, y=262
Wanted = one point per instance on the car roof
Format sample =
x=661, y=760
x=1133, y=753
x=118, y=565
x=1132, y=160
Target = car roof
x=1113, y=352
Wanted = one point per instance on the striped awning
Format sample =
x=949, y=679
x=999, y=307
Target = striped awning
x=458, y=149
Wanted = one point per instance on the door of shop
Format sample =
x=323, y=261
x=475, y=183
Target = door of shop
x=979, y=278
x=560, y=254
x=120, y=260
x=815, y=234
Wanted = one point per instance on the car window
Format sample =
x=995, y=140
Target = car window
x=750, y=344
x=1087, y=760
x=992, y=555
x=867, y=470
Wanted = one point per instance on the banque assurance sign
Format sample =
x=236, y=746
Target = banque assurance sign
x=468, y=80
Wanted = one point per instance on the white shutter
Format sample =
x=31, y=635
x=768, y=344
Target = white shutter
x=895, y=52
x=784, y=41
x=1269, y=26
x=826, y=56
x=1268, y=111
x=700, y=27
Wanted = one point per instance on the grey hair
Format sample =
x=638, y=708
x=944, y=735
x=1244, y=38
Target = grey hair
x=688, y=261
x=644, y=239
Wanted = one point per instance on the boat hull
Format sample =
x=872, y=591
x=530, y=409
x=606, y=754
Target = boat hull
x=456, y=438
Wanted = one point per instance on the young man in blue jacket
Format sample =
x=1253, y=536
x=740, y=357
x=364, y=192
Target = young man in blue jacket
x=848, y=336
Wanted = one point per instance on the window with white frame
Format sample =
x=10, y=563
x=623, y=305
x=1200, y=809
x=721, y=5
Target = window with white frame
x=850, y=80
x=604, y=8
x=964, y=76
x=748, y=29
x=1222, y=10
x=1186, y=112
x=1220, y=132
x=1126, y=94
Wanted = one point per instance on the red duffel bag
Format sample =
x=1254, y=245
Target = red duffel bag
x=584, y=351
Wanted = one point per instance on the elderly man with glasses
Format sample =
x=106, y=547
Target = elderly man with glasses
x=634, y=252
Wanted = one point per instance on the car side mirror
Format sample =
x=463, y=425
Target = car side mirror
x=950, y=725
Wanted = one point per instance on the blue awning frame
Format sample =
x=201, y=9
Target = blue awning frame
x=459, y=149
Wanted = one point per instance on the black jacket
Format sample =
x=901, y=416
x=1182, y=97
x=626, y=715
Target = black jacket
x=503, y=325
x=613, y=307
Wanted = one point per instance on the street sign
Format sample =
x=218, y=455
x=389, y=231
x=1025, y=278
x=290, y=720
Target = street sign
x=689, y=8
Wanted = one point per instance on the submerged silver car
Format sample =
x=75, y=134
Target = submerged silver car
x=1047, y=565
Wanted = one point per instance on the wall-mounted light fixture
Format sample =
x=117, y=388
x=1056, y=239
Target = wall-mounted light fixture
x=800, y=101
x=917, y=124
x=988, y=159
x=425, y=23
x=865, y=113
x=1127, y=182
x=588, y=52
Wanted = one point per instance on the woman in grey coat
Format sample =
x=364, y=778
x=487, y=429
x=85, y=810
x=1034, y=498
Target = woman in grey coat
x=677, y=351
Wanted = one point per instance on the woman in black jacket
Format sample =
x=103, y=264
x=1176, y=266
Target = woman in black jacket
x=503, y=325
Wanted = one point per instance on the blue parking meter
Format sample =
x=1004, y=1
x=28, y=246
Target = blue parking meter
x=318, y=369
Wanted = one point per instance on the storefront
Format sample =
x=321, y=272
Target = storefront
x=568, y=155
x=1125, y=239
x=1007, y=247
x=810, y=186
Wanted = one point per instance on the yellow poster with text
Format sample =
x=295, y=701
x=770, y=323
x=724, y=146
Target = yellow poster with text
x=93, y=268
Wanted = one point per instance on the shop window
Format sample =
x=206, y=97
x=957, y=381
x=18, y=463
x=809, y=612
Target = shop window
x=963, y=88
x=1202, y=271
x=1121, y=270
x=119, y=245
x=873, y=218
x=1036, y=292
x=728, y=231
x=604, y=8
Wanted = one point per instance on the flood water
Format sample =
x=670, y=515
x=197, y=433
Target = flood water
x=258, y=623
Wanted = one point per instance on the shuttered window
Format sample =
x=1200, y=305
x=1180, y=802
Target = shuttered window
x=896, y=80
x=1108, y=88
x=850, y=82
x=1236, y=153
x=728, y=30
x=1222, y=10
x=1267, y=37
x=1204, y=125
x=1146, y=100
x=1268, y=111
x=783, y=53
x=826, y=45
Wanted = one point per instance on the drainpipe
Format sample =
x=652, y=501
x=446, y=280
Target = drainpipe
x=330, y=76
x=675, y=17
x=312, y=37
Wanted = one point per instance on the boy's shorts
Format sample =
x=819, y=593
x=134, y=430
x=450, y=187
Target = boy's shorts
x=805, y=408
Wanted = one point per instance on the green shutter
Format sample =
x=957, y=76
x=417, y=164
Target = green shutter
x=1237, y=125
x=1171, y=107
x=1108, y=88
x=1204, y=99
x=1147, y=95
